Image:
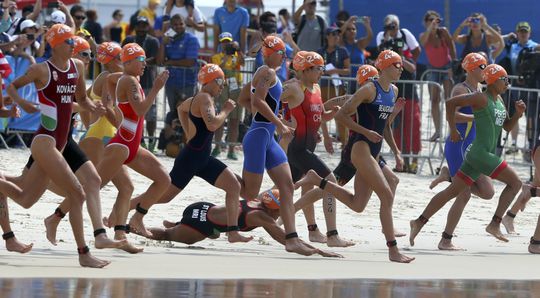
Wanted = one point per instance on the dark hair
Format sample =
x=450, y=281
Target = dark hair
x=431, y=13
x=176, y=17
x=75, y=9
x=116, y=12
x=283, y=12
x=91, y=14
x=28, y=9
x=342, y=15
x=265, y=17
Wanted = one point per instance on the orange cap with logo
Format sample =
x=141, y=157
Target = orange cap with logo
x=272, y=44
x=304, y=60
x=366, y=72
x=472, y=61
x=80, y=45
x=131, y=51
x=493, y=72
x=387, y=58
x=107, y=51
x=270, y=199
x=57, y=34
x=210, y=72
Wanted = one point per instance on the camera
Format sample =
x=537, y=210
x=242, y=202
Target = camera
x=30, y=36
x=170, y=33
x=528, y=66
x=230, y=49
x=395, y=45
x=389, y=27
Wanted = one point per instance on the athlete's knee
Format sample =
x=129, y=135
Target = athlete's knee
x=233, y=186
x=163, y=178
x=286, y=191
x=515, y=185
x=92, y=182
x=393, y=180
x=486, y=193
x=126, y=187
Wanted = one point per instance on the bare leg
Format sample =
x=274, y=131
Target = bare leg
x=314, y=233
x=329, y=208
x=534, y=246
x=444, y=175
x=454, y=215
x=228, y=182
x=435, y=111
x=12, y=244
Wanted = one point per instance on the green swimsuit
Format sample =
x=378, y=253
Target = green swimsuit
x=480, y=157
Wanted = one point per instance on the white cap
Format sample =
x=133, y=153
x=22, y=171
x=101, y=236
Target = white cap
x=58, y=17
x=28, y=24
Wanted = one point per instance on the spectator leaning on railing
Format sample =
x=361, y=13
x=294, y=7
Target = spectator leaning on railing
x=178, y=52
x=230, y=59
x=150, y=46
x=233, y=19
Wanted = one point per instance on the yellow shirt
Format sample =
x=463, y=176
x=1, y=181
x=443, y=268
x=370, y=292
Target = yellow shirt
x=231, y=69
x=149, y=14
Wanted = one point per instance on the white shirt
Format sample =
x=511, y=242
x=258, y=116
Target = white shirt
x=198, y=17
x=410, y=41
x=28, y=49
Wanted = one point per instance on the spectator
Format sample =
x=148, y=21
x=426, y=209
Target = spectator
x=338, y=63
x=356, y=47
x=233, y=19
x=150, y=45
x=480, y=38
x=92, y=26
x=285, y=22
x=172, y=137
x=230, y=59
x=343, y=16
x=440, y=51
x=268, y=27
x=178, y=52
x=395, y=38
x=12, y=24
x=192, y=15
x=29, y=47
x=115, y=30
x=310, y=28
x=78, y=14
x=149, y=12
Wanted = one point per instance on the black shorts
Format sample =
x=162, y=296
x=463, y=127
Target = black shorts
x=345, y=170
x=301, y=160
x=72, y=153
x=195, y=216
x=190, y=163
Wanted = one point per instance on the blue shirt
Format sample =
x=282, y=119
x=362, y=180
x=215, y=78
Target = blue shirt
x=183, y=46
x=231, y=22
x=357, y=57
x=515, y=48
x=282, y=71
x=337, y=58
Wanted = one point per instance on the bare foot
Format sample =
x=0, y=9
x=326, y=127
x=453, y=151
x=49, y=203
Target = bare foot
x=88, y=260
x=136, y=224
x=279, y=221
x=524, y=196
x=335, y=241
x=102, y=241
x=508, y=223
x=416, y=227
x=495, y=230
x=12, y=244
x=169, y=224
x=395, y=256
x=317, y=236
x=106, y=222
x=51, y=224
x=446, y=244
x=234, y=236
x=444, y=175
x=311, y=178
x=128, y=247
x=111, y=220
x=296, y=246
x=534, y=248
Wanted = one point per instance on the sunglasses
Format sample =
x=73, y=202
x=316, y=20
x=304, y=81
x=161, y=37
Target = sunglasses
x=432, y=19
x=335, y=33
x=482, y=66
x=474, y=20
x=281, y=52
x=505, y=79
x=70, y=41
x=319, y=68
x=220, y=81
x=398, y=65
x=87, y=54
x=373, y=78
x=141, y=58
x=80, y=17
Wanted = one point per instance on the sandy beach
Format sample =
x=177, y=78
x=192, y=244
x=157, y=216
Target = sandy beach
x=485, y=258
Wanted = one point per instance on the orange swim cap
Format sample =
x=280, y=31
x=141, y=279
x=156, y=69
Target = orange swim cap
x=494, y=72
x=304, y=60
x=366, y=72
x=272, y=44
x=131, y=51
x=387, y=58
x=80, y=45
x=57, y=34
x=107, y=51
x=472, y=61
x=270, y=199
x=210, y=72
